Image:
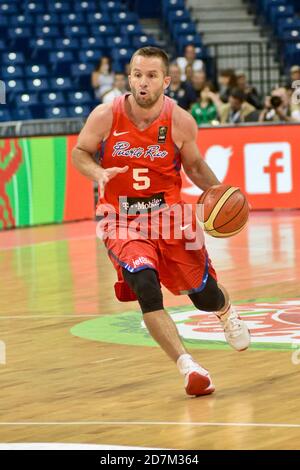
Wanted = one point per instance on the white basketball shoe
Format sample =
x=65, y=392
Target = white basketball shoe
x=236, y=331
x=197, y=381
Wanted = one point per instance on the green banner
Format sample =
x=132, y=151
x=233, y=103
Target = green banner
x=38, y=182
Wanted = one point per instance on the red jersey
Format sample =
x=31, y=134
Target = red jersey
x=153, y=179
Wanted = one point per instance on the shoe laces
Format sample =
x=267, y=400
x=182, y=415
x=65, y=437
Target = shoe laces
x=233, y=324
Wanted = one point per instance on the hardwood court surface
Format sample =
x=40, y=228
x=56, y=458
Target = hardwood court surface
x=58, y=387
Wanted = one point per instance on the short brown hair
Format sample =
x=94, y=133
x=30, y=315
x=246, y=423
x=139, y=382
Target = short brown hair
x=151, y=51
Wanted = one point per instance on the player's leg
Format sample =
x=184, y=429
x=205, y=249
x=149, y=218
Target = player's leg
x=160, y=325
x=163, y=330
x=215, y=298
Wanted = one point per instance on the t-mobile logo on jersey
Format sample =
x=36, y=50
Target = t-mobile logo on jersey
x=268, y=168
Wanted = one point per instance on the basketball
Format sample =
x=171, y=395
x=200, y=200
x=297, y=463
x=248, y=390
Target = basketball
x=224, y=212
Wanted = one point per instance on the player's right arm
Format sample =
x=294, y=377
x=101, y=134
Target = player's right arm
x=95, y=130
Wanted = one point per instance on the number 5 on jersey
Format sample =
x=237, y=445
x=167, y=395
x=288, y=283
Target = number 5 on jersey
x=142, y=181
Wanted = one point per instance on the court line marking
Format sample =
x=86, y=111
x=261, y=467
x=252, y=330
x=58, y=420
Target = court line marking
x=147, y=423
x=71, y=316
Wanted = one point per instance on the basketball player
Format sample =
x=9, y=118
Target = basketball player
x=144, y=138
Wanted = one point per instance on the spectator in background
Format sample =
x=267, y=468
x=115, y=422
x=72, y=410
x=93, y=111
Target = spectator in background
x=189, y=74
x=294, y=75
x=205, y=110
x=226, y=82
x=118, y=89
x=189, y=59
x=249, y=91
x=199, y=81
x=178, y=90
x=278, y=108
x=237, y=109
x=102, y=77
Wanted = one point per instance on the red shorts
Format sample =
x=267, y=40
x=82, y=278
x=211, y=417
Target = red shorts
x=179, y=257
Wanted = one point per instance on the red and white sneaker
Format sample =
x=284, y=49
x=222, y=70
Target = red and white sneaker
x=236, y=331
x=197, y=381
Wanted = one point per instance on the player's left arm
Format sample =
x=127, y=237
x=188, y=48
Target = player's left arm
x=185, y=137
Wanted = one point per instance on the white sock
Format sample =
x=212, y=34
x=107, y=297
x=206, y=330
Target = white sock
x=181, y=362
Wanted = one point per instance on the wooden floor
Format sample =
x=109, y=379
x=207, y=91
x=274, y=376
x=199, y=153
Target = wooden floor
x=57, y=387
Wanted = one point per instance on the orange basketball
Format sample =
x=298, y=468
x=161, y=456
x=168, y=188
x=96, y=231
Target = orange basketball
x=224, y=212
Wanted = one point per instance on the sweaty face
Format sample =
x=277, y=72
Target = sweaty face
x=147, y=80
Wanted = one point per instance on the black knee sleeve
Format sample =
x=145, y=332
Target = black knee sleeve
x=146, y=287
x=210, y=299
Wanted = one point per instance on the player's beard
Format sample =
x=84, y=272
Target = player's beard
x=147, y=102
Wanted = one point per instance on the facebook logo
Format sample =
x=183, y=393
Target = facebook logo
x=268, y=168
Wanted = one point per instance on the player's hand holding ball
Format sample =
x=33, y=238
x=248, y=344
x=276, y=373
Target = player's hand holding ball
x=222, y=211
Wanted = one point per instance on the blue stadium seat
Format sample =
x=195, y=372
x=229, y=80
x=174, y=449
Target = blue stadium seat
x=61, y=62
x=20, y=21
x=124, y=18
x=61, y=84
x=79, y=98
x=168, y=5
x=5, y=115
x=8, y=8
x=48, y=19
x=103, y=30
x=12, y=72
x=59, y=7
x=85, y=6
x=37, y=84
x=26, y=99
x=12, y=58
x=67, y=44
x=53, y=98
x=292, y=53
x=18, y=37
x=266, y=5
x=118, y=41
x=40, y=49
x=284, y=23
x=75, y=31
x=111, y=6
x=93, y=43
x=293, y=35
x=178, y=16
x=131, y=29
x=72, y=19
x=15, y=86
x=55, y=112
x=81, y=74
x=22, y=114
x=98, y=18
x=79, y=111
x=90, y=55
x=143, y=40
x=289, y=26
x=122, y=56
x=281, y=11
x=36, y=71
x=33, y=7
x=184, y=40
x=46, y=32
x=183, y=28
